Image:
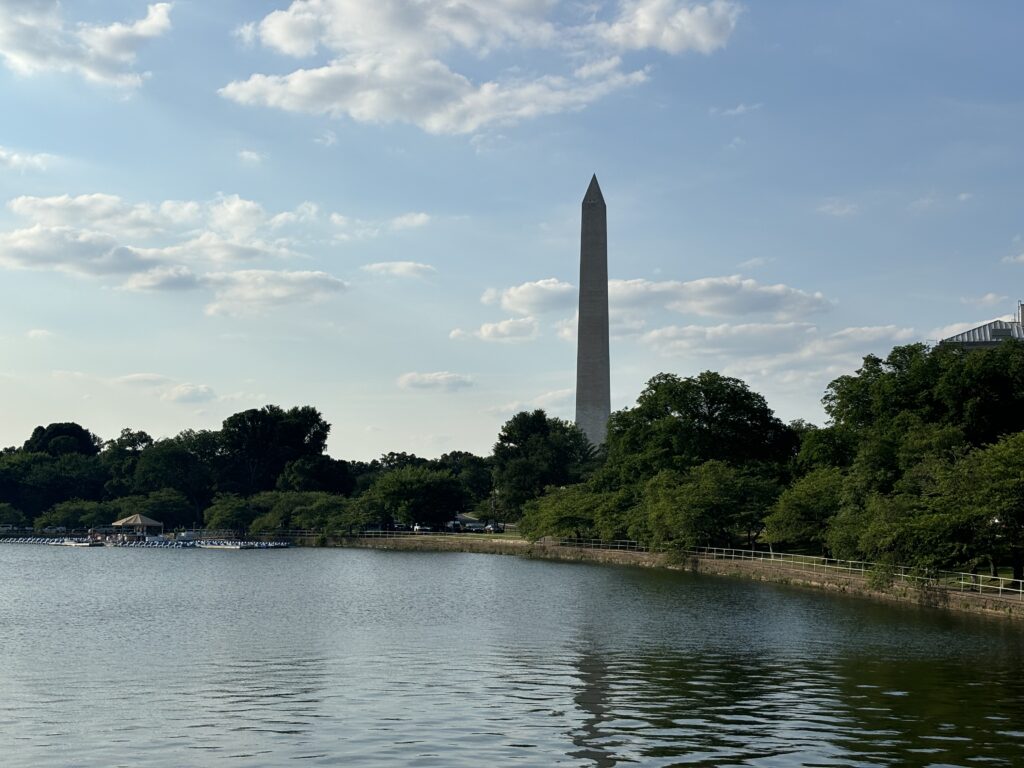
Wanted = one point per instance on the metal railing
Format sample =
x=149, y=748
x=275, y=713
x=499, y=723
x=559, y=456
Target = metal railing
x=627, y=545
x=953, y=581
x=956, y=581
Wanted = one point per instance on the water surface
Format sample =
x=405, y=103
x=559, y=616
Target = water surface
x=366, y=658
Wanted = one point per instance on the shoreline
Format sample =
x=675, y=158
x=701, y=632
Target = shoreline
x=778, y=572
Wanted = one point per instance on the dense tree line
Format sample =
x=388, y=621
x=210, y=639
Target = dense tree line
x=922, y=464
x=264, y=470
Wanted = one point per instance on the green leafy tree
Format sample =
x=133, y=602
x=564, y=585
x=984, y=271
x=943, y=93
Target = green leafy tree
x=802, y=512
x=712, y=504
x=680, y=423
x=119, y=458
x=230, y=512
x=63, y=438
x=535, y=451
x=257, y=445
x=77, y=514
x=412, y=495
x=11, y=516
x=169, y=464
x=317, y=473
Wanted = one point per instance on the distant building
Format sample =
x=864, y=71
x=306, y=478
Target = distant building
x=991, y=334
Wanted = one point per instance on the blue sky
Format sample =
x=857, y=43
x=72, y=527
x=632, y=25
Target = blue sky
x=374, y=208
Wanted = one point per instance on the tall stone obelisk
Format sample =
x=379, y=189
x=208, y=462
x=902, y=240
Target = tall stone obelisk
x=593, y=387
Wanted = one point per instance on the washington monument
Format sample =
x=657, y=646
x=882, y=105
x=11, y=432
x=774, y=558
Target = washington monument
x=593, y=389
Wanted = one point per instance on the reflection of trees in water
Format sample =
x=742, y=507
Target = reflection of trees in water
x=659, y=708
x=961, y=710
x=592, y=699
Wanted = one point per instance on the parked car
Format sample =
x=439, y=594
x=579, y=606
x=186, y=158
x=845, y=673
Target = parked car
x=494, y=528
x=421, y=528
x=473, y=527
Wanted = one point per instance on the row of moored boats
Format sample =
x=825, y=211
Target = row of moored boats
x=160, y=544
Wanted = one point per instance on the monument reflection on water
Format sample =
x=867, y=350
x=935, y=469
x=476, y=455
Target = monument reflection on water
x=392, y=658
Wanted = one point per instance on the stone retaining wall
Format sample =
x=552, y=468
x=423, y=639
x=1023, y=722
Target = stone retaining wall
x=779, y=572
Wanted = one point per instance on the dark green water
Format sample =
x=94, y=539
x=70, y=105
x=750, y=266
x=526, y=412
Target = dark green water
x=363, y=658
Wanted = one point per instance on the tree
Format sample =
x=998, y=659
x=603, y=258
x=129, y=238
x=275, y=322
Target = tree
x=535, y=451
x=63, y=438
x=681, y=423
x=992, y=485
x=77, y=514
x=10, y=516
x=259, y=443
x=712, y=504
x=802, y=512
x=317, y=473
x=412, y=495
x=169, y=464
x=230, y=512
x=119, y=458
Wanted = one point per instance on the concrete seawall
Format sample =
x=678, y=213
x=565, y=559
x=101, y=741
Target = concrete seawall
x=852, y=584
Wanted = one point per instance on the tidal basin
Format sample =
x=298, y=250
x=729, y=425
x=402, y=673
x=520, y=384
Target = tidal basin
x=197, y=657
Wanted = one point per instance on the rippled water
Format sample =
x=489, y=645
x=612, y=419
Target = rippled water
x=177, y=658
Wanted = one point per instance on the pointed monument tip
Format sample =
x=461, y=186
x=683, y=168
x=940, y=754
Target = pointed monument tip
x=593, y=192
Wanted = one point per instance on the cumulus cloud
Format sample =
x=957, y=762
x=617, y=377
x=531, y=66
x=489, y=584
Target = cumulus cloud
x=38, y=334
x=189, y=393
x=252, y=291
x=25, y=161
x=145, y=380
x=556, y=399
x=170, y=278
x=672, y=26
x=410, y=221
x=531, y=298
x=443, y=380
x=250, y=156
x=987, y=300
x=739, y=109
x=172, y=246
x=836, y=206
x=393, y=62
x=36, y=37
x=399, y=269
x=721, y=296
x=511, y=330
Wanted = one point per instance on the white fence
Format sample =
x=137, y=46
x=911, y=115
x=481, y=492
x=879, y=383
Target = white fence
x=976, y=583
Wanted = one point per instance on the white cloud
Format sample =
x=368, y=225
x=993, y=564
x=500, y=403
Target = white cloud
x=328, y=138
x=511, y=330
x=36, y=37
x=739, y=109
x=399, y=269
x=39, y=334
x=835, y=206
x=549, y=294
x=987, y=300
x=246, y=34
x=1018, y=259
x=721, y=296
x=674, y=339
x=189, y=393
x=673, y=26
x=24, y=161
x=146, y=380
x=556, y=399
x=757, y=261
x=443, y=380
x=392, y=62
x=65, y=249
x=410, y=221
x=251, y=157
x=254, y=291
x=171, y=278
x=963, y=197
